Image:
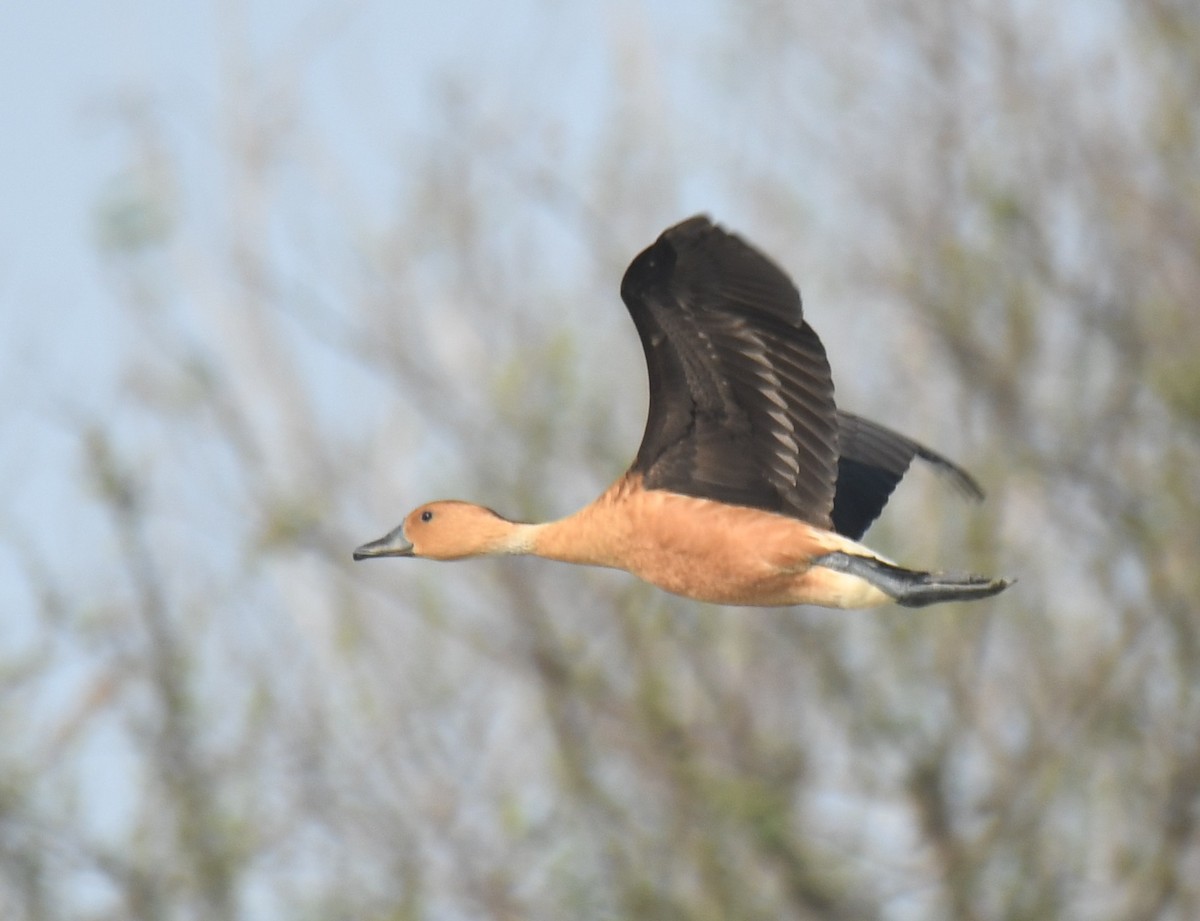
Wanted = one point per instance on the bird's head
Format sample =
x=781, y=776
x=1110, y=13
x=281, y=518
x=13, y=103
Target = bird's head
x=446, y=530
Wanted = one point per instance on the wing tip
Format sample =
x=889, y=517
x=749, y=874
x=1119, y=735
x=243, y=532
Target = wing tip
x=962, y=481
x=654, y=264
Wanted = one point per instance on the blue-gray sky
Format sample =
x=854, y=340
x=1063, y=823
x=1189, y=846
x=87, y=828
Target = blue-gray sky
x=367, y=77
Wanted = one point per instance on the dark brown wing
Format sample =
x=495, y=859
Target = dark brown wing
x=872, y=461
x=741, y=401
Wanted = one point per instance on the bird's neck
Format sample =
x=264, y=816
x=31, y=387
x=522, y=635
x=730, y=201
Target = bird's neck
x=594, y=535
x=569, y=540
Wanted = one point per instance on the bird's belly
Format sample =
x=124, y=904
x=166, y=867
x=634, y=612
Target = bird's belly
x=725, y=556
x=719, y=585
x=745, y=577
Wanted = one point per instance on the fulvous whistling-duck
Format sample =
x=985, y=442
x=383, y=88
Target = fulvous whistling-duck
x=750, y=487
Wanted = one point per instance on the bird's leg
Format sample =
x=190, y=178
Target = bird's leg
x=909, y=587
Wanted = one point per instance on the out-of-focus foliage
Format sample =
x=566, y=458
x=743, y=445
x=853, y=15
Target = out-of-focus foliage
x=1001, y=246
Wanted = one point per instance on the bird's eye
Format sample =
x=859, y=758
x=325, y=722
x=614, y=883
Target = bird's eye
x=426, y=515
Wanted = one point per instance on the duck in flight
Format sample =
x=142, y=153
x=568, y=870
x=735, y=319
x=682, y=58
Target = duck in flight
x=750, y=486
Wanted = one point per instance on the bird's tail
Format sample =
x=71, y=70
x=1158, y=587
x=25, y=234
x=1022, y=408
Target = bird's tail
x=912, y=588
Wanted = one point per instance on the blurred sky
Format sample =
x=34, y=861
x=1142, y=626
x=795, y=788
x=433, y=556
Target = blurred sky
x=367, y=77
